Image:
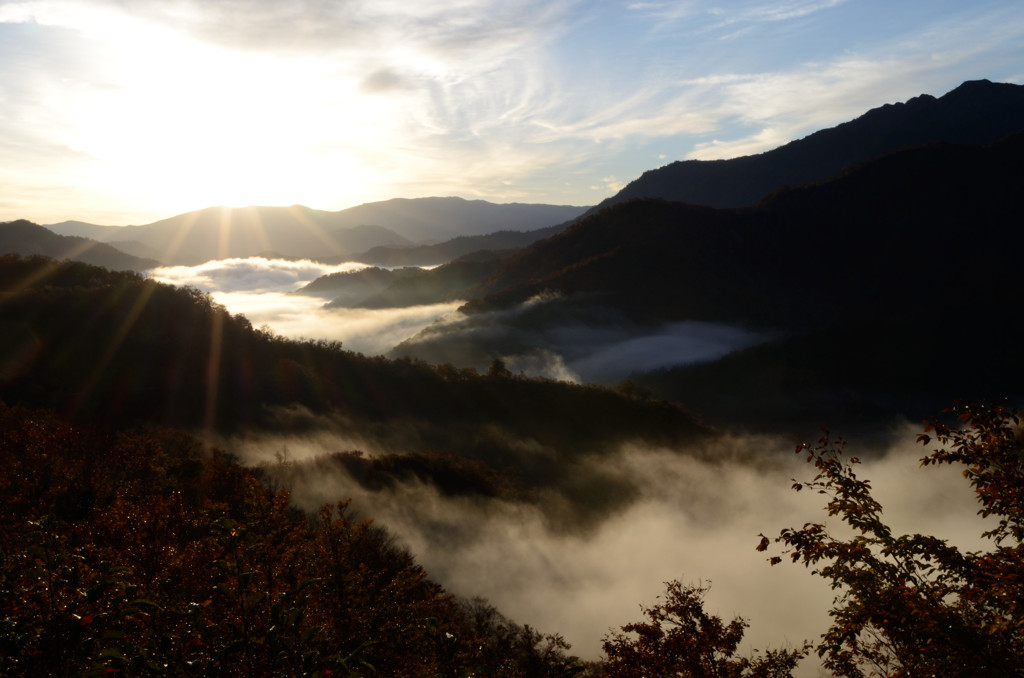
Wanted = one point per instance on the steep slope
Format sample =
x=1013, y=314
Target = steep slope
x=919, y=224
x=882, y=293
x=24, y=237
x=975, y=113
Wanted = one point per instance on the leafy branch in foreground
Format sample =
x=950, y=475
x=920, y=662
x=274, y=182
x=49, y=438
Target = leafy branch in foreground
x=913, y=605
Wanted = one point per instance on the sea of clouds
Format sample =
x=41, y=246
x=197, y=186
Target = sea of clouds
x=262, y=290
x=546, y=336
x=697, y=519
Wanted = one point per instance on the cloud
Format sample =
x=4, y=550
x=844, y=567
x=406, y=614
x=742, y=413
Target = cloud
x=695, y=17
x=253, y=275
x=383, y=80
x=696, y=519
x=559, y=338
x=332, y=103
x=609, y=184
x=673, y=344
x=260, y=289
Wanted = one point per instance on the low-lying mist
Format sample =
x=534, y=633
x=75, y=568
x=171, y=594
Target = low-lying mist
x=551, y=336
x=577, y=539
x=260, y=289
x=696, y=519
x=571, y=339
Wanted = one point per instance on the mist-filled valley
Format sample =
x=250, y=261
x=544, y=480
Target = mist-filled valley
x=424, y=438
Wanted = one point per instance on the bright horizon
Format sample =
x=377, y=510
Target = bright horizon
x=126, y=113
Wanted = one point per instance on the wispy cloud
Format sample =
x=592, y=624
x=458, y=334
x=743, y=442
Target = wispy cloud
x=161, y=107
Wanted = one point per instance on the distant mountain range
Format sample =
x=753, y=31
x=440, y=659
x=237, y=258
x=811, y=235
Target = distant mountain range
x=432, y=231
x=301, y=232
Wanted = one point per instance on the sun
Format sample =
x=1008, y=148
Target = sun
x=190, y=125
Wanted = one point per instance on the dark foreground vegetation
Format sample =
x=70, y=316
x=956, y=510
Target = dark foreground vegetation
x=130, y=547
x=138, y=552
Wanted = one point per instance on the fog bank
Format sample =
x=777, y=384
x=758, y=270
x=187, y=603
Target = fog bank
x=572, y=339
x=260, y=289
x=697, y=520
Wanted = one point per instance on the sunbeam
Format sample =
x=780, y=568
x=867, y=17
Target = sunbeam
x=110, y=352
x=213, y=374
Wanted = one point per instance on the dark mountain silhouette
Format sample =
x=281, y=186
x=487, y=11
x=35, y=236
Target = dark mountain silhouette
x=975, y=113
x=376, y=287
x=433, y=255
x=351, y=287
x=886, y=287
x=447, y=282
x=909, y=227
x=301, y=232
x=24, y=237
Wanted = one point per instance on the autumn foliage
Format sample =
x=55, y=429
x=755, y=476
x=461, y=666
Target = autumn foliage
x=680, y=638
x=914, y=605
x=140, y=553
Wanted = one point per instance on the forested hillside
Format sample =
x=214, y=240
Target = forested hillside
x=159, y=554
x=856, y=284
x=875, y=238
x=114, y=348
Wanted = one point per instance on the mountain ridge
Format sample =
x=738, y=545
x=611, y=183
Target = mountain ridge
x=26, y=238
x=976, y=112
x=743, y=248
x=302, y=232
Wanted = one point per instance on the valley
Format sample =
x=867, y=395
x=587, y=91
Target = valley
x=552, y=410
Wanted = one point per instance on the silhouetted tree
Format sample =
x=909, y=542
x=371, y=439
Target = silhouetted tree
x=913, y=605
x=680, y=639
x=498, y=369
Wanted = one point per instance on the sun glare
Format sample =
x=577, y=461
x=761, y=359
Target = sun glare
x=188, y=124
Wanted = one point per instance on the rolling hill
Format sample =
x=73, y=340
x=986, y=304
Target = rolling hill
x=24, y=237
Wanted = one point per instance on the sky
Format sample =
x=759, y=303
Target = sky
x=123, y=112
